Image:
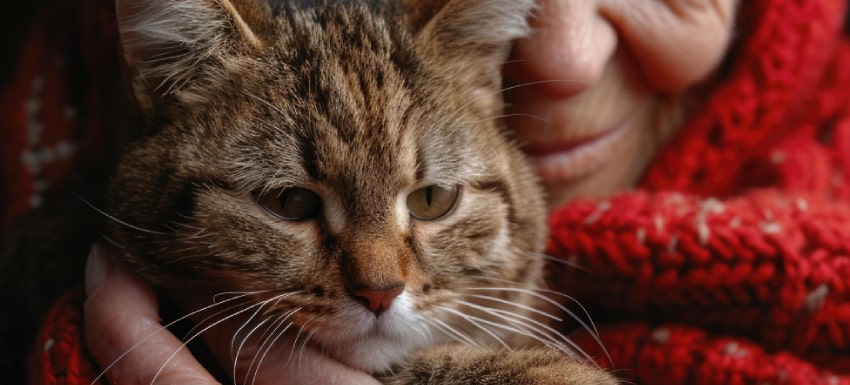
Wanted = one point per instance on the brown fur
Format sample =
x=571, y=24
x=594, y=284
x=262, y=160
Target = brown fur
x=361, y=102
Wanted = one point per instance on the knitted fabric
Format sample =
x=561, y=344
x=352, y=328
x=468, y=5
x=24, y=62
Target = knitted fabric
x=749, y=290
x=54, y=112
x=729, y=264
x=59, y=356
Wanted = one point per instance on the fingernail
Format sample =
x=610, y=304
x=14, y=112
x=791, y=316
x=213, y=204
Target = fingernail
x=97, y=268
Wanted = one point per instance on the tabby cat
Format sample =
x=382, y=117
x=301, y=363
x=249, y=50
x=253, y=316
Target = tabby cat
x=341, y=169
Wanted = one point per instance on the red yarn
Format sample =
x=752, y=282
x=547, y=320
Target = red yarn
x=741, y=274
x=782, y=83
x=59, y=356
x=730, y=265
x=676, y=354
x=767, y=266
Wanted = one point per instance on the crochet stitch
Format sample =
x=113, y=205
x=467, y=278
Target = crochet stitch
x=728, y=265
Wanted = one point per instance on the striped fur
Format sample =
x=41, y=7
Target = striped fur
x=362, y=103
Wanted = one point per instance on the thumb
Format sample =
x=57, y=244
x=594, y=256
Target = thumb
x=123, y=333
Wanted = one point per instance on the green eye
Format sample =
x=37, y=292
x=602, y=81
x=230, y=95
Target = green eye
x=291, y=203
x=432, y=202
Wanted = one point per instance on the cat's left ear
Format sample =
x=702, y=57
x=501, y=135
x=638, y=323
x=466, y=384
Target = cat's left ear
x=471, y=28
x=471, y=38
x=176, y=47
x=478, y=25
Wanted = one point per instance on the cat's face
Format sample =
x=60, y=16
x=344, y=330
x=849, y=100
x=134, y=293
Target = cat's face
x=343, y=164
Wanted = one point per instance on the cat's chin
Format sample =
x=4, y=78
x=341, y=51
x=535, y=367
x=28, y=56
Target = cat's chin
x=373, y=354
x=375, y=344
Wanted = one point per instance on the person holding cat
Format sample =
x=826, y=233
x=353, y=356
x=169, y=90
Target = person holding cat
x=695, y=159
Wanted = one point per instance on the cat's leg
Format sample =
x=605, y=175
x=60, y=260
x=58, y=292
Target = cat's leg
x=462, y=365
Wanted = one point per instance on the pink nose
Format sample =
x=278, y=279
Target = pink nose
x=378, y=300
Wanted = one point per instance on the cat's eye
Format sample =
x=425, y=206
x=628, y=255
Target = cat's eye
x=292, y=203
x=432, y=202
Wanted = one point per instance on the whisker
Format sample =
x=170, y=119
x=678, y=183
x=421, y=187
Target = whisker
x=271, y=330
x=559, y=261
x=235, y=356
x=301, y=353
x=452, y=332
x=297, y=336
x=160, y=330
x=532, y=328
x=592, y=328
x=200, y=324
x=536, y=293
x=540, y=118
x=202, y=331
x=519, y=305
x=237, y=294
x=112, y=242
x=259, y=308
x=530, y=331
x=549, y=81
x=110, y=217
x=425, y=333
x=471, y=319
x=276, y=299
x=269, y=342
x=515, y=86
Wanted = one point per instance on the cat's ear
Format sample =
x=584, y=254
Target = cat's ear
x=176, y=47
x=474, y=27
x=470, y=40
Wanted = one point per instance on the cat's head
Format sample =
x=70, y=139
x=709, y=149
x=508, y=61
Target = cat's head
x=347, y=154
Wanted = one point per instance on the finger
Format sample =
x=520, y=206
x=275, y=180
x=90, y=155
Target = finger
x=123, y=333
x=677, y=42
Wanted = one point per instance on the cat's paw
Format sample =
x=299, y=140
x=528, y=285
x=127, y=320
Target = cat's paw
x=461, y=365
x=565, y=371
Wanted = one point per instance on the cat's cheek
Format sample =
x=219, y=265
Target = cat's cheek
x=248, y=239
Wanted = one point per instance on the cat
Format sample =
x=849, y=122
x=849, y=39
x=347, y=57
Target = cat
x=342, y=165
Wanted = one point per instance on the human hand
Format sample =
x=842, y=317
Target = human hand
x=124, y=335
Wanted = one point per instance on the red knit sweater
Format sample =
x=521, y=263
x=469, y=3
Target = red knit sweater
x=731, y=263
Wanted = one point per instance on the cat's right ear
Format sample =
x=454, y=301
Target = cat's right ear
x=178, y=48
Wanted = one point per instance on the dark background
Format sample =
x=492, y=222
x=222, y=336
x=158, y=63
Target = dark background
x=14, y=24
x=32, y=273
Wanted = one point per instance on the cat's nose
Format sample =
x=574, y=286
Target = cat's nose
x=378, y=300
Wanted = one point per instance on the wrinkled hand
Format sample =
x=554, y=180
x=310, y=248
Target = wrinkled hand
x=125, y=337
